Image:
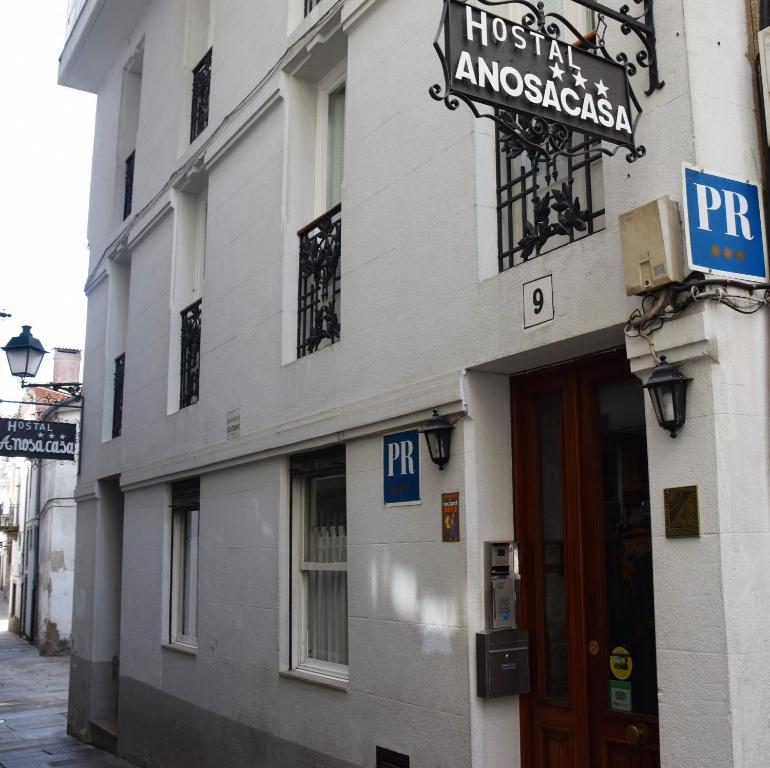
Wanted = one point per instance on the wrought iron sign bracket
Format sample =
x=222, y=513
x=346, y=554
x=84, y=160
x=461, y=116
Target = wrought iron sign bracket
x=643, y=26
x=542, y=127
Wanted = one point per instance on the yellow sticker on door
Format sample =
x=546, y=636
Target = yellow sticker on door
x=621, y=663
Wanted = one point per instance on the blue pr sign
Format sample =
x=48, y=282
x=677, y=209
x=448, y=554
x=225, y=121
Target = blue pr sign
x=401, y=467
x=724, y=225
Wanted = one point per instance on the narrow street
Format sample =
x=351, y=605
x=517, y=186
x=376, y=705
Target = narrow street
x=33, y=709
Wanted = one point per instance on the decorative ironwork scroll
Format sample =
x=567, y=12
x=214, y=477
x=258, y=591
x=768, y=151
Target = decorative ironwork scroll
x=318, y=295
x=117, y=395
x=200, y=96
x=128, y=186
x=541, y=88
x=191, y=355
x=535, y=216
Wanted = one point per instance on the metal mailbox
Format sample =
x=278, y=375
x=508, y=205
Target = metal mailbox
x=502, y=663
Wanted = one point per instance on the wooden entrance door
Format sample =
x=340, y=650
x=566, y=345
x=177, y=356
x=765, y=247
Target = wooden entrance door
x=582, y=518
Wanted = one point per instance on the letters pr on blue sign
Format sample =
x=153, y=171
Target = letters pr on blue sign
x=401, y=467
x=725, y=226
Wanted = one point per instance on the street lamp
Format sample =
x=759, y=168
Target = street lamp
x=668, y=392
x=438, y=436
x=25, y=353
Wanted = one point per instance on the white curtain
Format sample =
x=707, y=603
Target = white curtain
x=327, y=595
x=190, y=577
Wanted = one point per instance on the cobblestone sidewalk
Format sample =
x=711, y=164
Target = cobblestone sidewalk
x=33, y=710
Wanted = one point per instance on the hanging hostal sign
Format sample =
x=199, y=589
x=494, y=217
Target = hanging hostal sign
x=38, y=439
x=494, y=61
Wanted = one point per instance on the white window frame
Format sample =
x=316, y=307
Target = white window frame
x=300, y=661
x=336, y=79
x=188, y=271
x=179, y=591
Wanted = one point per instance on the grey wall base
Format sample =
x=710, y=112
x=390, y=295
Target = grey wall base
x=91, y=696
x=79, y=698
x=160, y=731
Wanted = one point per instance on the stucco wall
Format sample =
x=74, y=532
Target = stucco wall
x=422, y=303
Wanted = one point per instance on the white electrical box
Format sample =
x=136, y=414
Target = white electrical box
x=763, y=48
x=651, y=238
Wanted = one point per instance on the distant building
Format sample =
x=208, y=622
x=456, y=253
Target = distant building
x=40, y=524
x=296, y=255
x=13, y=481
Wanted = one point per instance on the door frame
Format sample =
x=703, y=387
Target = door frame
x=576, y=382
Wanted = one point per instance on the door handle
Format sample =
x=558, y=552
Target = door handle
x=637, y=734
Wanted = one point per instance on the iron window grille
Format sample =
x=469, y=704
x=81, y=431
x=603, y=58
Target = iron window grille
x=540, y=209
x=128, y=185
x=310, y=4
x=318, y=295
x=201, y=90
x=191, y=354
x=117, y=395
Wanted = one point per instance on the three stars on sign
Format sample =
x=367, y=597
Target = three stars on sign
x=580, y=81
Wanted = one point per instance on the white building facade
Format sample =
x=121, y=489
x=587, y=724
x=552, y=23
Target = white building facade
x=244, y=591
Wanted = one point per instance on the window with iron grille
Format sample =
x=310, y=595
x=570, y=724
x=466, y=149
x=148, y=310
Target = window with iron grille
x=310, y=4
x=191, y=354
x=387, y=758
x=542, y=208
x=200, y=96
x=117, y=395
x=128, y=186
x=318, y=305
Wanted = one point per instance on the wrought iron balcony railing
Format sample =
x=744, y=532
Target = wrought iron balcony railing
x=191, y=355
x=318, y=294
x=9, y=522
x=200, y=96
x=128, y=188
x=117, y=395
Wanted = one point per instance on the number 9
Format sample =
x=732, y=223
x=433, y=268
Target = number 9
x=538, y=300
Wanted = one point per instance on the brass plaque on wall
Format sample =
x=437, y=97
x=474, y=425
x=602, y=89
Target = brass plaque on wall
x=682, y=513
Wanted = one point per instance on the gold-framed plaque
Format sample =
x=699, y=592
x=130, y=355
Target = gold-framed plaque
x=682, y=511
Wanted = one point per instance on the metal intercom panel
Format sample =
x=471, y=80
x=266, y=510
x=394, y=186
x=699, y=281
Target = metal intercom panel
x=501, y=584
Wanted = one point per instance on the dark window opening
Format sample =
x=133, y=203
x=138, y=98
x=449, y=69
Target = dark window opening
x=128, y=187
x=537, y=213
x=117, y=395
x=191, y=354
x=310, y=4
x=201, y=90
x=386, y=758
x=318, y=295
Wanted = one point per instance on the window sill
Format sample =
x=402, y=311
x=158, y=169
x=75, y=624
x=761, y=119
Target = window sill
x=315, y=678
x=187, y=650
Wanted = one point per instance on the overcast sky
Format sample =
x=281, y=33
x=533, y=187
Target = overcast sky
x=46, y=132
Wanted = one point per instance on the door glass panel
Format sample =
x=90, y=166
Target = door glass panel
x=631, y=670
x=552, y=516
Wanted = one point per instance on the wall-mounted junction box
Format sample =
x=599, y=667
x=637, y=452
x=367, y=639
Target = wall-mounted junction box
x=651, y=237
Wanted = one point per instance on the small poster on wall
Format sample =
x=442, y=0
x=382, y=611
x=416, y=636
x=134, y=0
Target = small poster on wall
x=450, y=516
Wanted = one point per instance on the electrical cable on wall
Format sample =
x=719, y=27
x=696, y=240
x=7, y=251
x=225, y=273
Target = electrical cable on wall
x=674, y=299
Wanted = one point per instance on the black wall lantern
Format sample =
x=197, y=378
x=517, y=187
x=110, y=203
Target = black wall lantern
x=25, y=353
x=438, y=436
x=668, y=392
